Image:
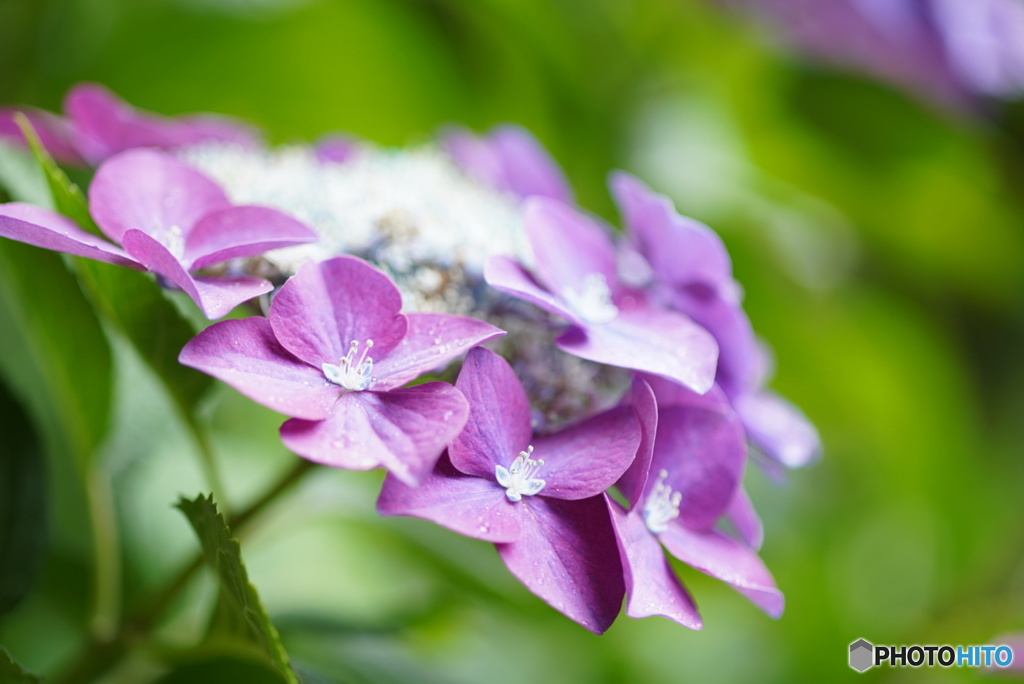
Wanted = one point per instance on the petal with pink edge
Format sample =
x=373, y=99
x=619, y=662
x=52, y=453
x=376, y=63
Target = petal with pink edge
x=47, y=229
x=326, y=306
x=568, y=556
x=498, y=427
x=244, y=231
x=246, y=355
x=745, y=519
x=779, y=429
x=466, y=504
x=506, y=275
x=404, y=430
x=634, y=480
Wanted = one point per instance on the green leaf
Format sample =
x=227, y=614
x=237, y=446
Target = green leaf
x=239, y=608
x=222, y=670
x=12, y=673
x=22, y=502
x=22, y=177
x=68, y=198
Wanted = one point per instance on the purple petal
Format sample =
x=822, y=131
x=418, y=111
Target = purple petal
x=587, y=458
x=150, y=191
x=779, y=429
x=567, y=246
x=326, y=306
x=431, y=341
x=246, y=355
x=680, y=250
x=466, y=504
x=245, y=231
x=215, y=296
x=199, y=128
x=649, y=340
x=652, y=587
x=717, y=555
x=634, y=480
x=704, y=450
x=53, y=132
x=498, y=427
x=404, y=430
x=47, y=229
x=744, y=518
x=506, y=275
x=337, y=148
x=475, y=156
x=568, y=556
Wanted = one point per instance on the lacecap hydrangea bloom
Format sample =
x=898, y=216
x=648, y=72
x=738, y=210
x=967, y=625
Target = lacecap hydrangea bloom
x=527, y=375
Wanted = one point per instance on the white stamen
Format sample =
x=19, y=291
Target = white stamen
x=662, y=505
x=519, y=479
x=352, y=373
x=593, y=303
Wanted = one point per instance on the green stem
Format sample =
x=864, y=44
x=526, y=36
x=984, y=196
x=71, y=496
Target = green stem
x=98, y=656
x=206, y=457
x=107, y=577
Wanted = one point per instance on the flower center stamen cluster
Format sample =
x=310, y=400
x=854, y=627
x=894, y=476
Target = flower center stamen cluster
x=662, y=506
x=519, y=479
x=353, y=370
x=593, y=302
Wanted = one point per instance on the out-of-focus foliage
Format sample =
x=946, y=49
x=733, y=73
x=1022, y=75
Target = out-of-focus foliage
x=880, y=243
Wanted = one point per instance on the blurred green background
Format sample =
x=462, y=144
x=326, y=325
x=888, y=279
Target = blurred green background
x=879, y=240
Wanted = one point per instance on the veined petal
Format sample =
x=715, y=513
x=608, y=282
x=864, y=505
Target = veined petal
x=498, y=427
x=326, y=306
x=47, y=229
x=650, y=340
x=404, y=430
x=744, y=518
x=717, y=555
x=633, y=482
x=652, y=587
x=568, y=246
x=588, y=457
x=243, y=231
x=215, y=296
x=779, y=429
x=431, y=340
x=469, y=505
x=506, y=275
x=567, y=555
x=246, y=355
x=151, y=191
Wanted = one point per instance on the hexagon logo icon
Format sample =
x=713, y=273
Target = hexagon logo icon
x=861, y=653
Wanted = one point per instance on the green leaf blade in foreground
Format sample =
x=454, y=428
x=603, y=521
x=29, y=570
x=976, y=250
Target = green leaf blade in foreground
x=223, y=553
x=12, y=673
x=23, y=525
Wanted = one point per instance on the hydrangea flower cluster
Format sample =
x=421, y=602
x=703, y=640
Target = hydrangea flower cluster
x=609, y=384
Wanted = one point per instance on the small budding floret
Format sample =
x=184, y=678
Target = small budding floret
x=519, y=479
x=593, y=302
x=662, y=505
x=353, y=370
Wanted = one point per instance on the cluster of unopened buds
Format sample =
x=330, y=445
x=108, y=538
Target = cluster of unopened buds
x=580, y=397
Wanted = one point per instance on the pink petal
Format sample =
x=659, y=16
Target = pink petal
x=404, y=430
x=568, y=556
x=244, y=231
x=465, y=504
x=246, y=355
x=652, y=587
x=53, y=132
x=506, y=275
x=587, y=458
x=431, y=341
x=326, y=306
x=717, y=555
x=567, y=246
x=337, y=148
x=527, y=167
x=215, y=296
x=744, y=518
x=150, y=191
x=634, y=480
x=649, y=340
x=47, y=229
x=498, y=427
x=779, y=429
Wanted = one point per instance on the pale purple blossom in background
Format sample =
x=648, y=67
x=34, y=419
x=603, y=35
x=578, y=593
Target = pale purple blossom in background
x=540, y=498
x=575, y=276
x=684, y=479
x=169, y=219
x=99, y=124
x=334, y=354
